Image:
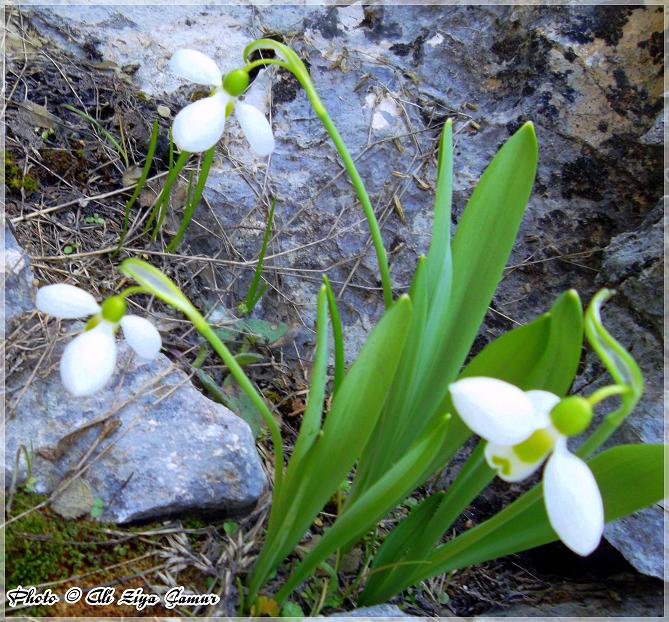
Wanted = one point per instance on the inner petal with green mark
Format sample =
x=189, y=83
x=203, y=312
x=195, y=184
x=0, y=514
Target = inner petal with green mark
x=535, y=447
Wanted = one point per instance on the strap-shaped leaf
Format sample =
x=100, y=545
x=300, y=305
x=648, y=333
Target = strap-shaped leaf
x=472, y=478
x=430, y=292
x=630, y=477
x=311, y=420
x=348, y=426
x=361, y=516
x=480, y=249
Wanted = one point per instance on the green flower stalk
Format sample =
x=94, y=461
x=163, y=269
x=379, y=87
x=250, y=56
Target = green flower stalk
x=154, y=282
x=288, y=59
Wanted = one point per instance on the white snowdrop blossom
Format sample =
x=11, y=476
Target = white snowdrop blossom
x=524, y=427
x=200, y=125
x=89, y=360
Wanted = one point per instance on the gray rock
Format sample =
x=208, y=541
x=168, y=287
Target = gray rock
x=18, y=291
x=376, y=611
x=175, y=452
x=633, y=265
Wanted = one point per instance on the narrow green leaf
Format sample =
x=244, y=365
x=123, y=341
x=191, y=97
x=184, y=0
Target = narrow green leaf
x=347, y=428
x=191, y=204
x=337, y=337
x=159, y=210
x=153, y=141
x=472, y=478
x=481, y=246
x=377, y=500
x=311, y=420
x=630, y=477
x=107, y=135
x=388, y=426
x=252, y=296
x=400, y=538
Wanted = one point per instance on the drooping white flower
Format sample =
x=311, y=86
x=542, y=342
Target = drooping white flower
x=200, y=125
x=523, y=428
x=89, y=360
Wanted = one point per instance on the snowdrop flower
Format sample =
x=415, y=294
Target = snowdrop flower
x=200, y=125
x=89, y=360
x=522, y=428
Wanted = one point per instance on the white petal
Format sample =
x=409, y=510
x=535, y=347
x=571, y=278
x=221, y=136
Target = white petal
x=573, y=501
x=88, y=360
x=199, y=126
x=543, y=402
x=65, y=301
x=196, y=67
x=142, y=336
x=495, y=410
x=256, y=128
x=508, y=465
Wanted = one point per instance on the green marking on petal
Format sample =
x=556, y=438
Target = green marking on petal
x=535, y=447
x=503, y=464
x=93, y=322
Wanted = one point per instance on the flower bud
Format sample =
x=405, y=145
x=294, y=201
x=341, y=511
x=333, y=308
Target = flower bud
x=572, y=415
x=113, y=309
x=235, y=82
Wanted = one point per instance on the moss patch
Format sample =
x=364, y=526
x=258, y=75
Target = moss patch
x=41, y=547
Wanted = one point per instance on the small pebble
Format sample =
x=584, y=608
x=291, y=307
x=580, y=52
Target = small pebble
x=164, y=111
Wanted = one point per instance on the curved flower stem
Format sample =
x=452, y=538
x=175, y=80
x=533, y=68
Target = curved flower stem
x=622, y=367
x=605, y=392
x=153, y=281
x=291, y=61
x=134, y=289
x=247, y=386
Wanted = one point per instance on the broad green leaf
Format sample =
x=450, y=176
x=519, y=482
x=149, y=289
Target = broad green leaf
x=481, y=246
x=462, y=292
x=369, y=508
x=630, y=477
x=387, y=426
x=348, y=426
x=430, y=292
x=400, y=538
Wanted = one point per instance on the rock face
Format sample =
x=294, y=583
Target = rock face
x=18, y=291
x=590, y=78
x=633, y=266
x=174, y=453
